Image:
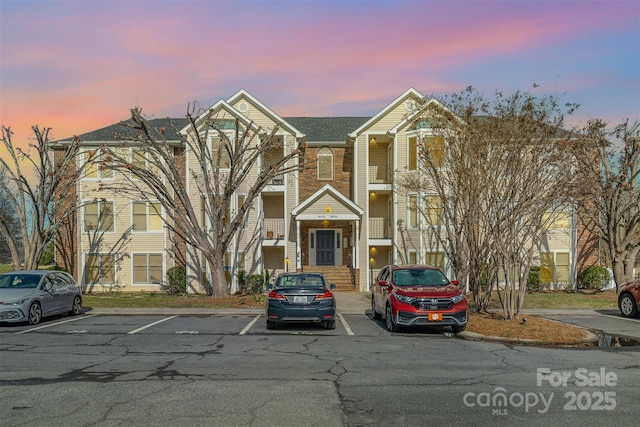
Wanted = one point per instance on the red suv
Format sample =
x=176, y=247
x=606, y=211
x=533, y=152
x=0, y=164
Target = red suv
x=418, y=295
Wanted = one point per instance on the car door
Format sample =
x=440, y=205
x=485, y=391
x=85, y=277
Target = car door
x=64, y=292
x=379, y=291
x=47, y=296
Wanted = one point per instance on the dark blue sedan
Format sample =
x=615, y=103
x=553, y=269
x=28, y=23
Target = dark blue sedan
x=301, y=297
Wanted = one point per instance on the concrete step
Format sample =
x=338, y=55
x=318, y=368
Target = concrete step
x=338, y=275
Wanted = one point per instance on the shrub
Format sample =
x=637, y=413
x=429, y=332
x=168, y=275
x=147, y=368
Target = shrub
x=594, y=277
x=533, y=280
x=255, y=284
x=176, y=283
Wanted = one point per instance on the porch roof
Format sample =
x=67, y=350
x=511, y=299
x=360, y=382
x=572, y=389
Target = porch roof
x=311, y=209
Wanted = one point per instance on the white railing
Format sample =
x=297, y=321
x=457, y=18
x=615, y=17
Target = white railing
x=377, y=228
x=380, y=174
x=273, y=228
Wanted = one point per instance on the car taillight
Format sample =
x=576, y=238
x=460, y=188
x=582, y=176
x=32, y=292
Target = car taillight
x=325, y=295
x=275, y=295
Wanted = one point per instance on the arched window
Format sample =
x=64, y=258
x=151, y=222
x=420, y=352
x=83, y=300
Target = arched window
x=325, y=164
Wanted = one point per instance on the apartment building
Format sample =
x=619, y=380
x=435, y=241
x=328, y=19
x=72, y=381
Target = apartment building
x=343, y=216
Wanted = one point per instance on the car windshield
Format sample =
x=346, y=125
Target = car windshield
x=419, y=277
x=301, y=281
x=19, y=281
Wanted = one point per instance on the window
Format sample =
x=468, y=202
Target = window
x=325, y=164
x=142, y=160
x=147, y=216
x=98, y=216
x=555, y=267
x=412, y=150
x=434, y=146
x=147, y=268
x=100, y=268
x=413, y=257
x=98, y=167
x=413, y=210
x=434, y=210
x=219, y=151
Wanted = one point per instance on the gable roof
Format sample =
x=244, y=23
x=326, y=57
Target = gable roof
x=408, y=95
x=356, y=211
x=285, y=124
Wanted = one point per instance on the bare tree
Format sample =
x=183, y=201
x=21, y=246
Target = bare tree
x=609, y=184
x=217, y=169
x=9, y=221
x=39, y=202
x=496, y=169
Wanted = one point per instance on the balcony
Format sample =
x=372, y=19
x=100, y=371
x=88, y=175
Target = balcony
x=273, y=229
x=379, y=228
x=380, y=174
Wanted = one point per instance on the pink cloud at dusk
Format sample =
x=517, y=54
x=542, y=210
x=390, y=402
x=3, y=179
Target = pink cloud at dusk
x=78, y=66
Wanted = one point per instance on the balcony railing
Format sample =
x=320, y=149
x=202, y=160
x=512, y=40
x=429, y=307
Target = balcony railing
x=273, y=228
x=378, y=228
x=380, y=174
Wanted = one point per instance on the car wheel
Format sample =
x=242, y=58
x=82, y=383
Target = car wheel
x=628, y=306
x=35, y=313
x=330, y=324
x=271, y=324
x=458, y=328
x=374, y=314
x=391, y=325
x=76, y=308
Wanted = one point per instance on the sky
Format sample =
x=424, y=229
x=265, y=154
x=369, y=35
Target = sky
x=77, y=66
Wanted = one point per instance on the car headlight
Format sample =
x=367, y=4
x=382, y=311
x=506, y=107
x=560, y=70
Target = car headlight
x=13, y=303
x=456, y=299
x=404, y=298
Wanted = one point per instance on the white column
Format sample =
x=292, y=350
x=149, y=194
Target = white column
x=298, y=248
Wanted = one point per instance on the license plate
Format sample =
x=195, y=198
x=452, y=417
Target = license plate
x=299, y=299
x=435, y=317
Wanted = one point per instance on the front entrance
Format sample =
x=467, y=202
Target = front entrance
x=325, y=248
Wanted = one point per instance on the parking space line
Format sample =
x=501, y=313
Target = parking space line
x=54, y=324
x=345, y=324
x=246, y=328
x=150, y=325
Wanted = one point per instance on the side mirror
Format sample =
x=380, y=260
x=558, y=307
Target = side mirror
x=382, y=283
x=269, y=286
x=455, y=283
x=332, y=286
x=47, y=286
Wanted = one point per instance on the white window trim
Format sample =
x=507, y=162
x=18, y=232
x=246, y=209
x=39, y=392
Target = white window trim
x=147, y=216
x=98, y=230
x=329, y=152
x=417, y=224
x=100, y=255
x=133, y=268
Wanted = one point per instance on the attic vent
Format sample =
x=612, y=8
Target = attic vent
x=410, y=105
x=243, y=107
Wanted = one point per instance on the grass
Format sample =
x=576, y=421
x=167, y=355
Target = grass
x=588, y=300
x=159, y=300
x=606, y=300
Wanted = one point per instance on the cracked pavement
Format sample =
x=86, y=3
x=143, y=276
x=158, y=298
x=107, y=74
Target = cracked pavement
x=92, y=372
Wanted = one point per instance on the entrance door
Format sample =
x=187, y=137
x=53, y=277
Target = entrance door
x=325, y=244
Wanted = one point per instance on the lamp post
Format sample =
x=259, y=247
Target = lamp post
x=286, y=263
